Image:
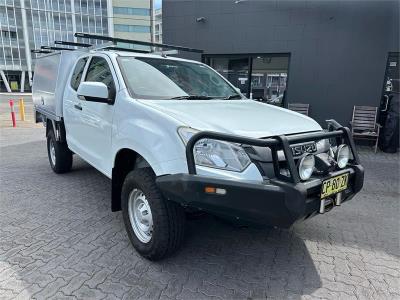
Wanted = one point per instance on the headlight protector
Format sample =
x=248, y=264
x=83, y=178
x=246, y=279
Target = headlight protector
x=216, y=154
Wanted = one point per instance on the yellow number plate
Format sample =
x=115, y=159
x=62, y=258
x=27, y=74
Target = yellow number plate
x=334, y=185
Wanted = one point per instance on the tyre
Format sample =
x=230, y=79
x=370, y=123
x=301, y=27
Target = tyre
x=154, y=225
x=60, y=157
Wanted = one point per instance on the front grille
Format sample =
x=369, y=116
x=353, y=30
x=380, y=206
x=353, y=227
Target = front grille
x=299, y=150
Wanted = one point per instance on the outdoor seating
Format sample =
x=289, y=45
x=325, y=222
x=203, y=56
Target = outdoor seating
x=301, y=108
x=364, y=124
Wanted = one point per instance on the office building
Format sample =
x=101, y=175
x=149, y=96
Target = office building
x=132, y=19
x=331, y=55
x=30, y=24
x=158, y=25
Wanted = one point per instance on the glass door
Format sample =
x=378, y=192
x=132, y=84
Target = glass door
x=269, y=78
x=262, y=77
x=235, y=69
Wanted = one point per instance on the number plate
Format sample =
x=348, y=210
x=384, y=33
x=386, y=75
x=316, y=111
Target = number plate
x=334, y=185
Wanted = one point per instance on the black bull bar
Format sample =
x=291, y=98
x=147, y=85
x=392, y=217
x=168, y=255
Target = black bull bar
x=276, y=143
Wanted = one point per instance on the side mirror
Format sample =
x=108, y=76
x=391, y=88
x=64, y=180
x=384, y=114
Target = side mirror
x=238, y=90
x=94, y=91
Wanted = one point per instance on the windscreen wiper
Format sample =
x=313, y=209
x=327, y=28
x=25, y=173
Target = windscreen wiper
x=192, y=97
x=236, y=96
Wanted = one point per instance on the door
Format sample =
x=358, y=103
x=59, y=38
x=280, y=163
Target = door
x=238, y=73
x=235, y=69
x=72, y=107
x=262, y=77
x=269, y=78
x=97, y=118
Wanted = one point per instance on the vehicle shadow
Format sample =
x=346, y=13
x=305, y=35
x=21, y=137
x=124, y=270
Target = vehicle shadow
x=228, y=261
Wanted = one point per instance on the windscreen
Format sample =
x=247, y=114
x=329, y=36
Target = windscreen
x=157, y=78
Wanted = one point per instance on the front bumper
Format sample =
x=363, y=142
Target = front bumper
x=273, y=202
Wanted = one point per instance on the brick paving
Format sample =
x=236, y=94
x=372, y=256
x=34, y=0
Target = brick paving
x=5, y=113
x=59, y=240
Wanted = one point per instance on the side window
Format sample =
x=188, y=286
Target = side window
x=99, y=71
x=77, y=74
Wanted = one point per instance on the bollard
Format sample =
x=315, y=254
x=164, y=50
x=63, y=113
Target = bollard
x=14, y=123
x=22, y=109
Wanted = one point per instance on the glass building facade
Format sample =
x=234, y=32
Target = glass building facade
x=30, y=24
x=158, y=25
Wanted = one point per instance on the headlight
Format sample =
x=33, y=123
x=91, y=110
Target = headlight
x=342, y=156
x=323, y=145
x=186, y=133
x=216, y=154
x=306, y=166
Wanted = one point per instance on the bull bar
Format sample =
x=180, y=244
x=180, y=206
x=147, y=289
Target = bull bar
x=276, y=143
x=279, y=201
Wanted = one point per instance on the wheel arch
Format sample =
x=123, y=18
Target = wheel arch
x=125, y=161
x=58, y=128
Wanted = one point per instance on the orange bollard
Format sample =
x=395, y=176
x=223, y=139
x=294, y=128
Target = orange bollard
x=14, y=122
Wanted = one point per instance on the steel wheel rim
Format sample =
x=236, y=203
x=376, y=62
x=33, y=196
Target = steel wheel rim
x=52, y=151
x=140, y=215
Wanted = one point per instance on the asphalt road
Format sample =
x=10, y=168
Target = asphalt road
x=59, y=239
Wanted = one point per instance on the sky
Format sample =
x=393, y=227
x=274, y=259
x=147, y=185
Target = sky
x=157, y=3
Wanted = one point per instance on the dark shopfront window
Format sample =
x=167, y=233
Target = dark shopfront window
x=258, y=76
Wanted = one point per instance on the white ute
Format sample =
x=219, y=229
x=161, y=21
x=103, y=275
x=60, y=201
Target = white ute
x=176, y=137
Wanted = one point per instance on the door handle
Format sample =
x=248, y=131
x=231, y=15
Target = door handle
x=77, y=106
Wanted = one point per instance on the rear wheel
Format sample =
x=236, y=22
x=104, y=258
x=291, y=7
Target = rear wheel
x=60, y=157
x=154, y=225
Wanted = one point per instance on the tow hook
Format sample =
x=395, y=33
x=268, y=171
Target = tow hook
x=328, y=203
x=338, y=200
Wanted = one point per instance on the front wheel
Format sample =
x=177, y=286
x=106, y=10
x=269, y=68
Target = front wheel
x=60, y=157
x=154, y=225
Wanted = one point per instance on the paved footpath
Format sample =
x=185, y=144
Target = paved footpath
x=59, y=239
x=5, y=112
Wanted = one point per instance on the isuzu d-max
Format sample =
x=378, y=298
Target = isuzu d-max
x=173, y=135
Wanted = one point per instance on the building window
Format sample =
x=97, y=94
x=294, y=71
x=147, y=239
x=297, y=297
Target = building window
x=262, y=77
x=131, y=11
x=131, y=28
x=9, y=34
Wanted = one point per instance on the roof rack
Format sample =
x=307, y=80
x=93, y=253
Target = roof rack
x=55, y=48
x=66, y=43
x=37, y=51
x=135, y=42
x=112, y=44
x=125, y=49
